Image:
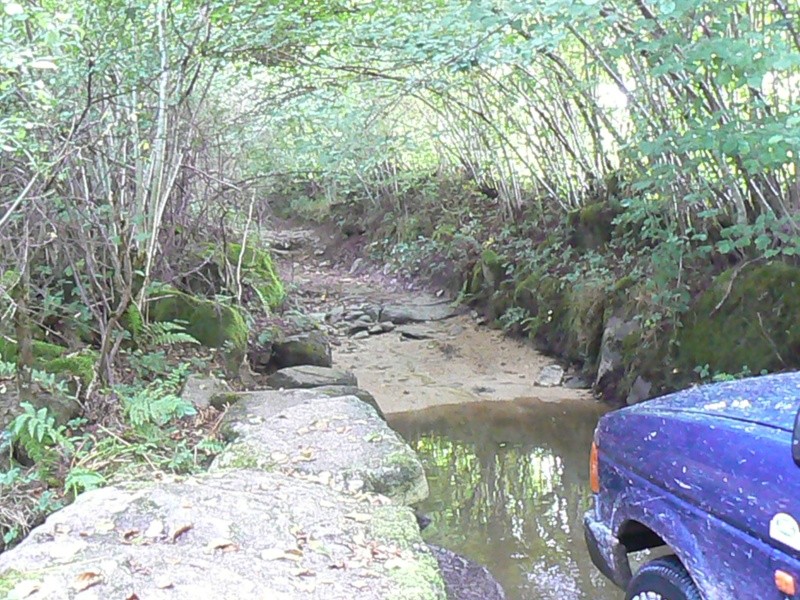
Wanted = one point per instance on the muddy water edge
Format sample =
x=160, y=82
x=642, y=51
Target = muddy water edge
x=508, y=489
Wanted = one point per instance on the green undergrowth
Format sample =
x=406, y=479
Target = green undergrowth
x=53, y=449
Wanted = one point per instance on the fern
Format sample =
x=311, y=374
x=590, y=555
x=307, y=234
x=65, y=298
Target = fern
x=165, y=333
x=80, y=480
x=159, y=403
x=36, y=431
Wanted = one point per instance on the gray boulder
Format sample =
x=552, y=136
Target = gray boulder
x=611, y=366
x=273, y=402
x=229, y=536
x=340, y=440
x=641, y=390
x=311, y=348
x=203, y=391
x=310, y=376
x=465, y=579
x=337, y=391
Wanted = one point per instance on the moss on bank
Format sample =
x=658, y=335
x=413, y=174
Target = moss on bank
x=54, y=359
x=259, y=271
x=748, y=317
x=417, y=579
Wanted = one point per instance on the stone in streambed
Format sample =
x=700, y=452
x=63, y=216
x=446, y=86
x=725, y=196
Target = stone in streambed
x=311, y=348
x=342, y=440
x=310, y=377
x=465, y=579
x=550, y=376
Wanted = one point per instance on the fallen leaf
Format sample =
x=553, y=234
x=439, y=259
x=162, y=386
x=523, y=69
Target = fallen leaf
x=272, y=554
x=86, y=580
x=303, y=573
x=223, y=544
x=129, y=536
x=180, y=530
x=279, y=457
x=292, y=554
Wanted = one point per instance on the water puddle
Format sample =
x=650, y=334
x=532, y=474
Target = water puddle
x=509, y=486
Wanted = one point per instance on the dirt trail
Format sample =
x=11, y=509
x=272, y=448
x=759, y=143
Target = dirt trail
x=459, y=361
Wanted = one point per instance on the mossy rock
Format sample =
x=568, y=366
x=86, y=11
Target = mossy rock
x=80, y=365
x=55, y=359
x=493, y=267
x=475, y=281
x=582, y=325
x=591, y=227
x=260, y=273
x=748, y=318
x=212, y=324
x=41, y=350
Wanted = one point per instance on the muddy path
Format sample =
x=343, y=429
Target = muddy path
x=449, y=359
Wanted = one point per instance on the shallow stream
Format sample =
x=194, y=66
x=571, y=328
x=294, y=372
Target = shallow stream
x=509, y=486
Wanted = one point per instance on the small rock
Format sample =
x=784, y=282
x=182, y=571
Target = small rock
x=319, y=252
x=456, y=329
x=640, y=391
x=361, y=335
x=416, y=332
x=376, y=330
x=335, y=314
x=358, y=328
x=200, y=390
x=550, y=376
x=356, y=266
x=387, y=326
x=577, y=383
x=465, y=579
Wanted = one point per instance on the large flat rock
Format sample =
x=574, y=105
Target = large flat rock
x=422, y=310
x=310, y=376
x=230, y=535
x=342, y=440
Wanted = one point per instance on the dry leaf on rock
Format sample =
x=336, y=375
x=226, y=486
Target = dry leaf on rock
x=86, y=580
x=223, y=544
x=179, y=530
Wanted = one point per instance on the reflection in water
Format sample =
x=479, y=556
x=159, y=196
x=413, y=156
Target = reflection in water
x=509, y=486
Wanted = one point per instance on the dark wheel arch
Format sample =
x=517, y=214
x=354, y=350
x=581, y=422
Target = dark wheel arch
x=637, y=536
x=666, y=577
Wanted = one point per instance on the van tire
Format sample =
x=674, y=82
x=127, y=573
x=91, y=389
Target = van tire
x=663, y=579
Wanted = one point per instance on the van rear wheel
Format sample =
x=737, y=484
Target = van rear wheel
x=663, y=579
